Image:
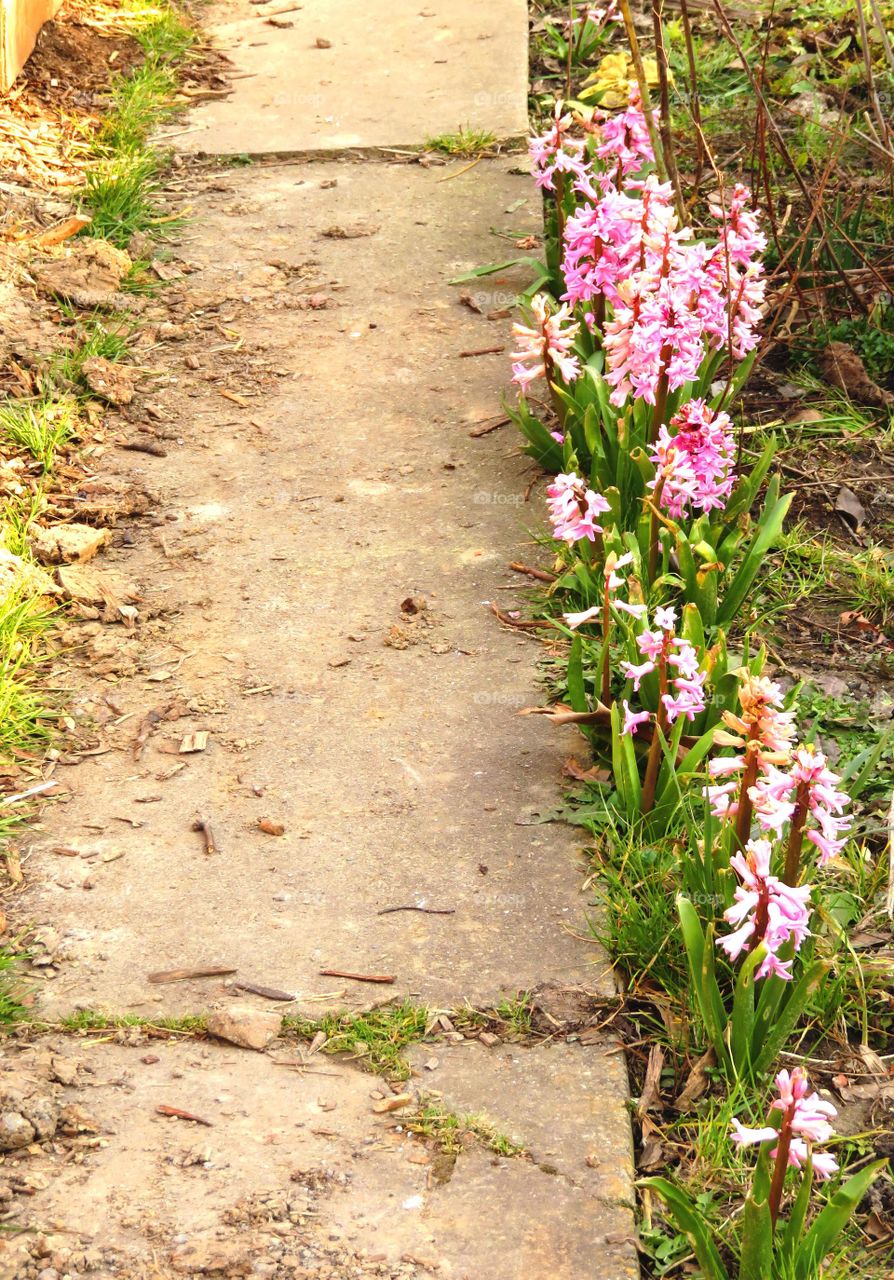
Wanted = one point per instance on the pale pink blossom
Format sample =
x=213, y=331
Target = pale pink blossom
x=694, y=461
x=766, y=910
x=557, y=151
x=810, y=784
x=804, y=1121
x=545, y=346
x=573, y=508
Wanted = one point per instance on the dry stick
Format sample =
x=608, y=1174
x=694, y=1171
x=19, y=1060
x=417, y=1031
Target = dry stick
x=640, y=73
x=694, y=103
x=781, y=145
x=664, y=124
x=540, y=574
x=870, y=77
x=358, y=977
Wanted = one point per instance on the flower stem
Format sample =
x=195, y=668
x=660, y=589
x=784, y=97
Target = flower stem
x=792, y=873
x=745, y=808
x=606, y=673
x=650, y=781
x=782, y=1150
x=660, y=396
x=653, y=530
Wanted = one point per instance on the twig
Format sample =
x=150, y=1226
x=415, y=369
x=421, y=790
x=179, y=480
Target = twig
x=32, y=791
x=429, y=911
x=643, y=84
x=182, y=975
x=465, y=169
x=540, y=574
x=489, y=426
x=889, y=900
x=482, y=351
x=664, y=121
x=519, y=623
x=182, y=1115
x=205, y=827
x=358, y=977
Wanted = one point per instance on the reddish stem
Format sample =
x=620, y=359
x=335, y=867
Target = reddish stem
x=792, y=873
x=652, y=764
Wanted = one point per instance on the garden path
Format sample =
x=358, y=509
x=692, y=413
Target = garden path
x=314, y=596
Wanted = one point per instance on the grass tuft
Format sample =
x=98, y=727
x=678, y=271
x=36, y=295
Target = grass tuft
x=467, y=141
x=42, y=426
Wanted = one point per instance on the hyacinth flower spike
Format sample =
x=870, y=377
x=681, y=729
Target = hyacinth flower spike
x=803, y=1121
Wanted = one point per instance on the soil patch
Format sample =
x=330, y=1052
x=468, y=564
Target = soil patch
x=73, y=63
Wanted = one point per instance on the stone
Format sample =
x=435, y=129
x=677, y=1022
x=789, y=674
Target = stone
x=200, y=1257
x=67, y=543
x=247, y=1027
x=113, y=382
x=15, y=1131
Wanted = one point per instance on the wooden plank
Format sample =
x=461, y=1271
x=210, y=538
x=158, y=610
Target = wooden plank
x=20, y=24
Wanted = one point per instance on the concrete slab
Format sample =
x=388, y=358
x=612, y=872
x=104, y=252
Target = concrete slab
x=292, y=1175
x=578, y=1135
x=387, y=743
x=394, y=73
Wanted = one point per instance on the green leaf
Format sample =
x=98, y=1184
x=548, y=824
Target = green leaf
x=577, y=693
x=742, y=1021
x=862, y=768
x=798, y=996
x=790, y=1236
x=699, y=953
x=756, y=1259
x=769, y=528
x=688, y=1219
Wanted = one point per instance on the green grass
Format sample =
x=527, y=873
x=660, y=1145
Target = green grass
x=467, y=141
x=121, y=188
x=376, y=1039
x=11, y=1008
x=119, y=195
x=138, y=103
x=24, y=720
x=42, y=426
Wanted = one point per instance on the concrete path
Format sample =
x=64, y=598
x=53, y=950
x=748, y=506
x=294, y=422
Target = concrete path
x=313, y=594
x=334, y=74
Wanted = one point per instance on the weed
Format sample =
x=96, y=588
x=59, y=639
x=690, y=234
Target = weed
x=90, y=1020
x=42, y=426
x=138, y=103
x=516, y=1014
x=451, y=1131
x=377, y=1039
x=11, y=1008
x=162, y=34
x=467, y=141
x=16, y=519
x=99, y=336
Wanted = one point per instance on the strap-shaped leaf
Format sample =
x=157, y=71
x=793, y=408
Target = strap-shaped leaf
x=769, y=528
x=577, y=693
x=756, y=1258
x=788, y=1015
x=742, y=1021
x=688, y=1220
